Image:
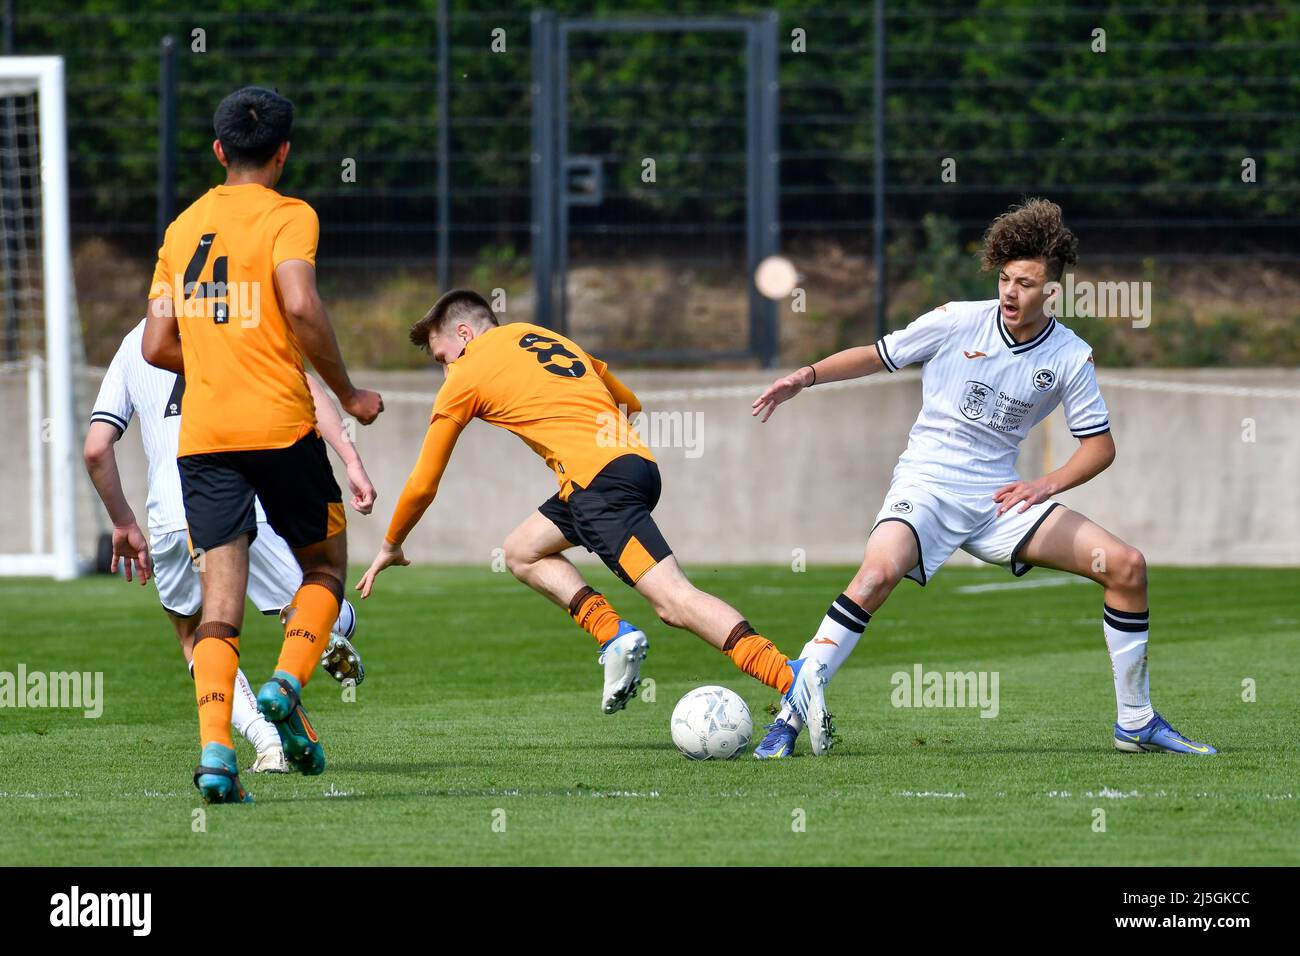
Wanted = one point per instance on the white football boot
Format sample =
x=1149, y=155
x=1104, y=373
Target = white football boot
x=807, y=695
x=622, y=658
x=341, y=661
x=271, y=760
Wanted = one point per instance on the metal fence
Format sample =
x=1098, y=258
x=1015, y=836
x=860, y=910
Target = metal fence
x=890, y=120
x=659, y=185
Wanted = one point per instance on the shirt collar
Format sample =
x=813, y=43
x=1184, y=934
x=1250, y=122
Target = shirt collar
x=1018, y=347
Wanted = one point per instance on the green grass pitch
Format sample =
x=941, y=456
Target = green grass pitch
x=477, y=737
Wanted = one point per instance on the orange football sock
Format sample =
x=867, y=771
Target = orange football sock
x=312, y=614
x=758, y=657
x=216, y=659
x=591, y=612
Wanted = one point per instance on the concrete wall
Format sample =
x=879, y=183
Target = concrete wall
x=1187, y=487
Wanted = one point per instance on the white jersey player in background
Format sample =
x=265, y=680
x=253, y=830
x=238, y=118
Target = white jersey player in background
x=132, y=386
x=990, y=371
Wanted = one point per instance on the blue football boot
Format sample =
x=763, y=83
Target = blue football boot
x=779, y=741
x=1156, y=736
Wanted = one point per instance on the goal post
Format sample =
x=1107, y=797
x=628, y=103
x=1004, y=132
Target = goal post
x=39, y=323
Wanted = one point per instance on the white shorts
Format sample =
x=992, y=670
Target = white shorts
x=943, y=521
x=273, y=572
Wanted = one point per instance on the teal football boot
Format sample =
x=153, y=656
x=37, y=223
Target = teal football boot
x=280, y=701
x=217, y=776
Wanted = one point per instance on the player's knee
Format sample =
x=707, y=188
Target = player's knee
x=1129, y=571
x=875, y=579
x=671, y=608
x=317, y=560
x=326, y=574
x=670, y=615
x=519, y=557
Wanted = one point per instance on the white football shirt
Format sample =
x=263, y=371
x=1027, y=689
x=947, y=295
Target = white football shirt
x=982, y=391
x=131, y=385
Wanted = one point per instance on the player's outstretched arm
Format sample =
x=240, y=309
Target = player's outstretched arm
x=1090, y=459
x=850, y=363
x=130, y=546
x=161, y=343
x=621, y=394
x=296, y=281
x=417, y=494
x=331, y=429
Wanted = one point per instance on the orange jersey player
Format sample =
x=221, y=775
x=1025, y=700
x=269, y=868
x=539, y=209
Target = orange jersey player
x=560, y=400
x=234, y=308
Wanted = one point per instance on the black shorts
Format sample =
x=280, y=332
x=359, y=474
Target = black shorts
x=611, y=517
x=295, y=485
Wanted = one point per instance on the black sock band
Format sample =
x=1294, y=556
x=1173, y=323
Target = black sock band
x=1126, y=620
x=743, y=629
x=848, y=614
x=221, y=631
x=326, y=580
x=575, y=605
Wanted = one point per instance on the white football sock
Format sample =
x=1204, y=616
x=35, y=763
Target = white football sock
x=837, y=636
x=1126, y=639
x=832, y=644
x=248, y=720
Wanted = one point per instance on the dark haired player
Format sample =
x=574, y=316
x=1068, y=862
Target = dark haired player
x=544, y=388
x=133, y=388
x=990, y=371
x=234, y=307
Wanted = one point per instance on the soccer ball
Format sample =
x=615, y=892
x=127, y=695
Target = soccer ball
x=711, y=723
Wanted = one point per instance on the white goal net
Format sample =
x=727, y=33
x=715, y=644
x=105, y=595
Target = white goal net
x=40, y=342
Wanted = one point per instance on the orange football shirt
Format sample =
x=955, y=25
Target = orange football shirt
x=544, y=388
x=245, y=387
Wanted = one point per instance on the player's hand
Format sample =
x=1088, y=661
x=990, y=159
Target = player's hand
x=782, y=390
x=387, y=557
x=1023, y=493
x=131, y=549
x=364, y=405
x=363, y=492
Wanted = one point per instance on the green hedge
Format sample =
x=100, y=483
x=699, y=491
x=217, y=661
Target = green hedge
x=1004, y=76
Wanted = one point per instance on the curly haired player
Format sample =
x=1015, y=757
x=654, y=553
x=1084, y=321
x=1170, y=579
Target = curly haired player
x=990, y=372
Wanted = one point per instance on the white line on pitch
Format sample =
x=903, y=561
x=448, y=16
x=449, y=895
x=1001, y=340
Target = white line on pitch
x=1019, y=585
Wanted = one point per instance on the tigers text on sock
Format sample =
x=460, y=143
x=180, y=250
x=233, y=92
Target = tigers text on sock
x=922, y=688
